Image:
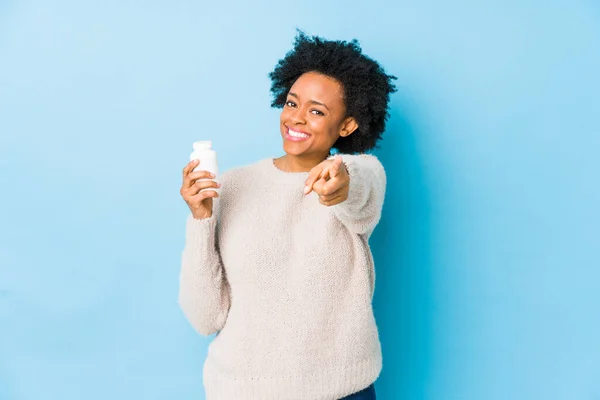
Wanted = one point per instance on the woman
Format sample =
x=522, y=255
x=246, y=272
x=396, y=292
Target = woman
x=280, y=267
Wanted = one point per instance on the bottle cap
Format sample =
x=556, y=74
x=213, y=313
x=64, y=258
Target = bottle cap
x=203, y=145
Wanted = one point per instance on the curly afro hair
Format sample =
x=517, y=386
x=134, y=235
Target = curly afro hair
x=366, y=86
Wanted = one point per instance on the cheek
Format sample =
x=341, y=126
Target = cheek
x=320, y=126
x=331, y=131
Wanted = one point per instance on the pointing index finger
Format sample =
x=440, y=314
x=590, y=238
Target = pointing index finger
x=313, y=176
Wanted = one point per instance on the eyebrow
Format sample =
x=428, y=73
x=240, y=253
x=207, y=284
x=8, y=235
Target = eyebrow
x=312, y=101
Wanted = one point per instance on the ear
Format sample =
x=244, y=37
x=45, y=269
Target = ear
x=348, y=127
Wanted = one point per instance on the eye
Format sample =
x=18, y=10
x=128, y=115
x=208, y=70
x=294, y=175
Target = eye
x=290, y=103
x=317, y=112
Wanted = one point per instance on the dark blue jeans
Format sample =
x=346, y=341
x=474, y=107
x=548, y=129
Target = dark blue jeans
x=365, y=394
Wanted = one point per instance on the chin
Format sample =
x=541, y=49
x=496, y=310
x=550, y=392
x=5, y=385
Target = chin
x=292, y=149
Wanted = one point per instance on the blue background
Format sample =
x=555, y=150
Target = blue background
x=488, y=280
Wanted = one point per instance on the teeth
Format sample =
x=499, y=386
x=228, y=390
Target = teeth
x=297, y=134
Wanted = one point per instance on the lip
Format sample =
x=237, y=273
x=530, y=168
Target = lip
x=293, y=138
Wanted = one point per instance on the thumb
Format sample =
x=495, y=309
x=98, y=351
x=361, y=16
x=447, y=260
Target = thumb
x=335, y=166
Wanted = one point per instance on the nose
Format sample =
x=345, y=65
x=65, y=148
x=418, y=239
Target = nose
x=298, y=117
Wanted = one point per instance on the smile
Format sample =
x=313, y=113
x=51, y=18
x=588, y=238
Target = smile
x=296, y=136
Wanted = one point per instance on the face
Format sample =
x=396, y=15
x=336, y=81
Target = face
x=313, y=117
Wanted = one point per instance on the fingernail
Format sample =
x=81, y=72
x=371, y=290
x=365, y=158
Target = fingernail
x=306, y=189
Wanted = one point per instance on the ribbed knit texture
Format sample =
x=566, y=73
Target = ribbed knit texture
x=287, y=283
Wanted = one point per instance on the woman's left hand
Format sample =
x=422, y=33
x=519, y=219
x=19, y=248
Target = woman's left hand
x=330, y=180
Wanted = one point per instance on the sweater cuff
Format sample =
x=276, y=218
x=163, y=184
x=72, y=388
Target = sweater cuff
x=362, y=170
x=358, y=186
x=200, y=233
x=361, y=211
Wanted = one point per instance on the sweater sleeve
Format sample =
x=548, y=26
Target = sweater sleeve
x=361, y=211
x=204, y=294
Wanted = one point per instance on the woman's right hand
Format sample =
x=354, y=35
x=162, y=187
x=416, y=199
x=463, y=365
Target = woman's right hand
x=199, y=202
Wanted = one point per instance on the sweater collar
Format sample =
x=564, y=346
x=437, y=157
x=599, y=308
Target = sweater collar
x=279, y=175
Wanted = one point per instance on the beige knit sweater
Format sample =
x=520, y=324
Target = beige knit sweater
x=287, y=284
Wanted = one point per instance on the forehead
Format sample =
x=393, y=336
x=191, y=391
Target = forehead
x=319, y=87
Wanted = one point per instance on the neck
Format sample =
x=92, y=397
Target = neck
x=290, y=163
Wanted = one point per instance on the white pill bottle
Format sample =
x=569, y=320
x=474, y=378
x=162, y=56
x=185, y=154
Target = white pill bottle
x=204, y=152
